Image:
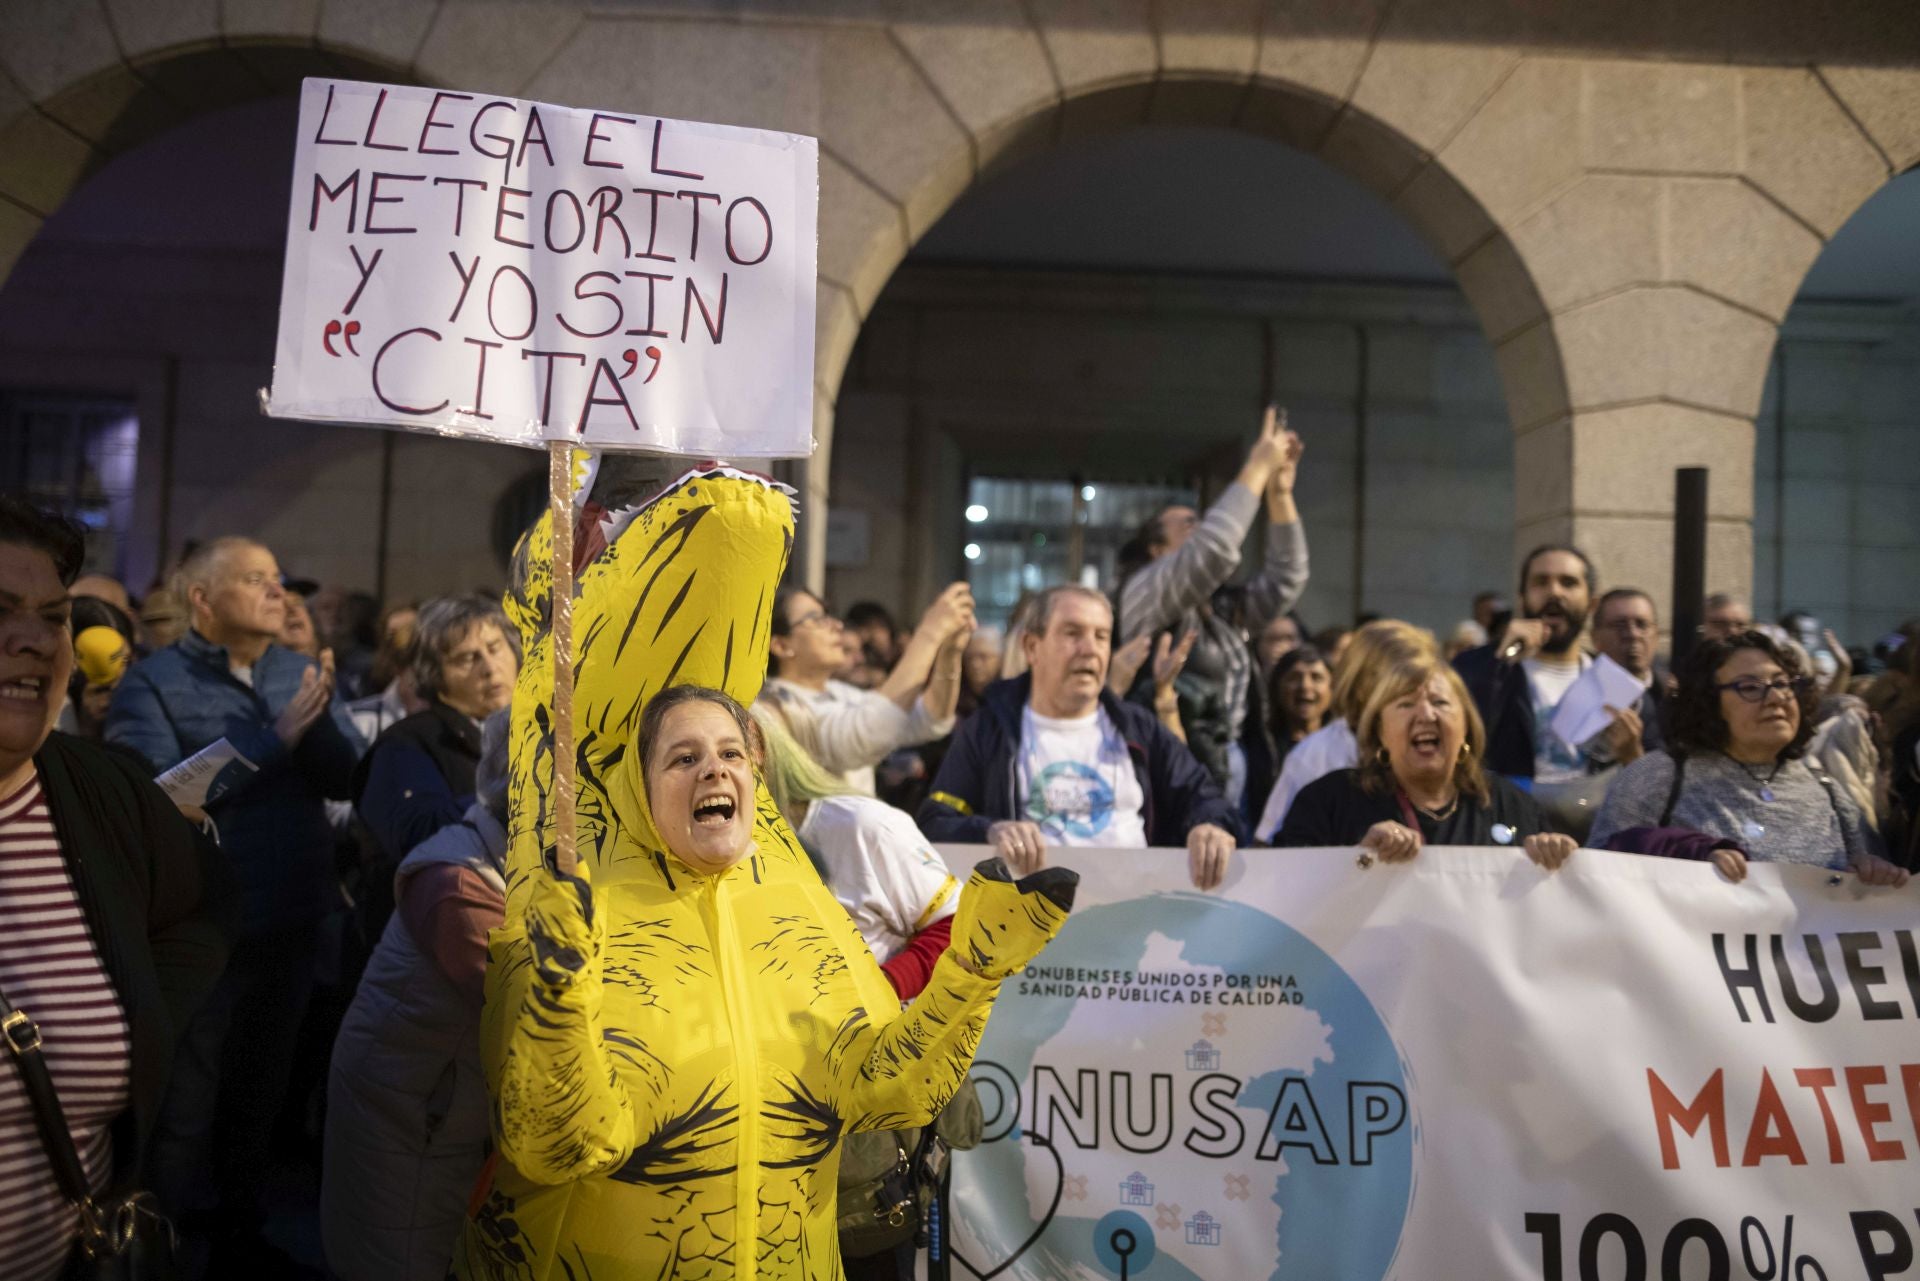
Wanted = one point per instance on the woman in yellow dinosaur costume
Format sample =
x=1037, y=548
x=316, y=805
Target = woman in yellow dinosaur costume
x=678, y=1036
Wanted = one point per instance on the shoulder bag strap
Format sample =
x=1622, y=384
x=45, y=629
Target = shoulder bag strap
x=22, y=1036
x=1673, y=792
x=1849, y=833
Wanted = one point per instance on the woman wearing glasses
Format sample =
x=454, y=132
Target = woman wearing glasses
x=1734, y=768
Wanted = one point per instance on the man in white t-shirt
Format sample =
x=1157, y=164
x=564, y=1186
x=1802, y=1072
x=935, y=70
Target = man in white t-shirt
x=1052, y=758
x=1518, y=680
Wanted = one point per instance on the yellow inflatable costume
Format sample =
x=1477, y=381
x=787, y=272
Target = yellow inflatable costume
x=674, y=1057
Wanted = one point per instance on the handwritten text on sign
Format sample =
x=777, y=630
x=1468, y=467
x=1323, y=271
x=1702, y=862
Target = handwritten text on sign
x=516, y=271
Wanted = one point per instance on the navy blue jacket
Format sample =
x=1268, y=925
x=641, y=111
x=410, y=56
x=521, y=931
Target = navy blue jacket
x=273, y=823
x=975, y=787
x=1506, y=705
x=417, y=778
x=1500, y=690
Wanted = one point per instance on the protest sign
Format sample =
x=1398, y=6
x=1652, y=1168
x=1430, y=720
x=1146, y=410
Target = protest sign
x=1628, y=1070
x=517, y=271
x=1582, y=711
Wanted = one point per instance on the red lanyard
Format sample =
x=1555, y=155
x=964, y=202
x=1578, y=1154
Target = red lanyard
x=1406, y=808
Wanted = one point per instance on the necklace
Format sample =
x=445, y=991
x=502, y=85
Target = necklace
x=1438, y=813
x=1766, y=784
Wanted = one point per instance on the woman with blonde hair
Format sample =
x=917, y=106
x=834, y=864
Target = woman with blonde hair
x=1419, y=781
x=1333, y=746
x=883, y=871
x=877, y=863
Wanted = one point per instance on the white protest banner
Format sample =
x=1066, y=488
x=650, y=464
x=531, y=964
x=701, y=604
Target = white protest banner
x=1462, y=1067
x=516, y=271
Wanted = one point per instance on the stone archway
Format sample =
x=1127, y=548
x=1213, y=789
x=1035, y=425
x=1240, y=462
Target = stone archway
x=1629, y=232
x=970, y=362
x=1353, y=141
x=1628, y=203
x=909, y=115
x=53, y=143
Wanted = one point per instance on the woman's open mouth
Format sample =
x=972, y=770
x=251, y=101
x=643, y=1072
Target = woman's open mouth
x=713, y=811
x=1424, y=741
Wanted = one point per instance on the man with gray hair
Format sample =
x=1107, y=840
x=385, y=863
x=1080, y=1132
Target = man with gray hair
x=1725, y=615
x=229, y=678
x=1054, y=758
x=419, y=776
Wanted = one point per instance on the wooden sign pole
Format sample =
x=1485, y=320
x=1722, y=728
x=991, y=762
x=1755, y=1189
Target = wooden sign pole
x=560, y=503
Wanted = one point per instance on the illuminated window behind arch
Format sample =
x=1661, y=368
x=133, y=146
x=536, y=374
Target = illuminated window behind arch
x=1023, y=535
x=76, y=455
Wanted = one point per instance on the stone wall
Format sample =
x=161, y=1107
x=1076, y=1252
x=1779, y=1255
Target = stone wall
x=1146, y=362
x=187, y=336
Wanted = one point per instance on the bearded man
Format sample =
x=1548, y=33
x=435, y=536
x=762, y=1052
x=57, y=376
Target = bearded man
x=1518, y=679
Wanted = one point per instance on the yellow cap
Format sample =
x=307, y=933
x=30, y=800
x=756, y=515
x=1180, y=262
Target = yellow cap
x=103, y=655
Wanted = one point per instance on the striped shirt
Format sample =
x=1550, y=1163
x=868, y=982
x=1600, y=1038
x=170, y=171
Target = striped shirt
x=51, y=971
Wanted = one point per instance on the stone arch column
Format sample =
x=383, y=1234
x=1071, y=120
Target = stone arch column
x=1666, y=245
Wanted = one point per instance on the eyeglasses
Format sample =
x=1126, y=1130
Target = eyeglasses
x=1755, y=690
x=817, y=618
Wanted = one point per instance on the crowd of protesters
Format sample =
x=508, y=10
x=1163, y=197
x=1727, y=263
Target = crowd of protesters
x=332, y=896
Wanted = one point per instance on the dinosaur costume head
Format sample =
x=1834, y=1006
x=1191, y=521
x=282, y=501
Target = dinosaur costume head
x=657, y=602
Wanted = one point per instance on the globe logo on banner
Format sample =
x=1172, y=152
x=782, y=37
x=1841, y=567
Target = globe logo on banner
x=1186, y=1087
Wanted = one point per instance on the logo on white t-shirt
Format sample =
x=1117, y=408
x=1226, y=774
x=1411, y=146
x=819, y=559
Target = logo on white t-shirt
x=1078, y=782
x=1071, y=797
